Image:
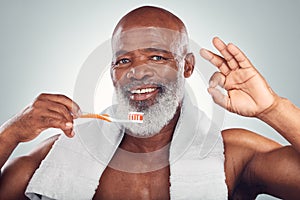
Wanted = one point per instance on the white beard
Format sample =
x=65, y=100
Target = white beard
x=157, y=115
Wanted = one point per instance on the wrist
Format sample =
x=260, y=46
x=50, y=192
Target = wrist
x=278, y=106
x=9, y=135
x=283, y=116
x=8, y=142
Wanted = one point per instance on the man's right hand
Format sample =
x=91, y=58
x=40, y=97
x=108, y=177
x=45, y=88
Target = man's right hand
x=47, y=111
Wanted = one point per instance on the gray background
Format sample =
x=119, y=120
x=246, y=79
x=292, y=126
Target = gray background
x=43, y=44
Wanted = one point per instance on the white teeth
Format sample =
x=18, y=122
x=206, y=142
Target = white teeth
x=142, y=91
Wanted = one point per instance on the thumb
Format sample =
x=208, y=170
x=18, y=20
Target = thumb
x=218, y=97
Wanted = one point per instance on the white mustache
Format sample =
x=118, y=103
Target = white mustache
x=162, y=86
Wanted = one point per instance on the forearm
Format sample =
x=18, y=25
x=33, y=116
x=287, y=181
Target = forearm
x=7, y=143
x=284, y=117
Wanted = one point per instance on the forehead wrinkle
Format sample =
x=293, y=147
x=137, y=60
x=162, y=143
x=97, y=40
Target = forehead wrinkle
x=151, y=49
x=173, y=42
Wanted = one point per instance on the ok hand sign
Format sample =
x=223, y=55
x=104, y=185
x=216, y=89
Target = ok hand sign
x=248, y=93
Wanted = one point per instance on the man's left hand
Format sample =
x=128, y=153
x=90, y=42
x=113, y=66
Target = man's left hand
x=248, y=92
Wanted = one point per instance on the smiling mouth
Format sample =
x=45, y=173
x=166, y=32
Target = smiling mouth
x=143, y=93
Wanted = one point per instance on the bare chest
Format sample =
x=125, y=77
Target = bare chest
x=116, y=184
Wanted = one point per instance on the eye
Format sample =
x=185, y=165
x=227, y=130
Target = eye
x=122, y=61
x=157, y=58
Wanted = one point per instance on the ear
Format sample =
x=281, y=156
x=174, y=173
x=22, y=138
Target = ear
x=189, y=65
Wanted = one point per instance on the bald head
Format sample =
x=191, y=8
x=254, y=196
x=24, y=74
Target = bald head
x=149, y=16
x=152, y=30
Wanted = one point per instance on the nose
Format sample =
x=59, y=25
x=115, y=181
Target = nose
x=139, y=72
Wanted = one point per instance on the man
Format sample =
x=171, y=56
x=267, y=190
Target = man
x=144, y=71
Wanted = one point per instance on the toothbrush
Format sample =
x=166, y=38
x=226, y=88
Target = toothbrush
x=133, y=117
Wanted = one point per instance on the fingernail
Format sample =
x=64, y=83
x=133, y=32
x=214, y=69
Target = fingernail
x=72, y=134
x=78, y=113
x=211, y=84
x=204, y=54
x=209, y=91
x=69, y=125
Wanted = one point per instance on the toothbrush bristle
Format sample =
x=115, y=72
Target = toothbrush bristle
x=136, y=116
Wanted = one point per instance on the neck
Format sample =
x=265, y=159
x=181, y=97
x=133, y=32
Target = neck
x=150, y=144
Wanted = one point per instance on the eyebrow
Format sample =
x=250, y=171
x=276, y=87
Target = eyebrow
x=160, y=50
x=150, y=49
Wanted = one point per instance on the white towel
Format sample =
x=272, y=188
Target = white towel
x=73, y=167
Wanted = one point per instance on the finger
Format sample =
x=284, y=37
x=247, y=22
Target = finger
x=67, y=128
x=69, y=103
x=222, y=48
x=59, y=110
x=69, y=133
x=239, y=56
x=217, y=79
x=49, y=121
x=219, y=98
x=52, y=119
x=216, y=60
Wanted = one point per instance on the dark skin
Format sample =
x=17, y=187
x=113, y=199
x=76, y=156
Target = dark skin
x=253, y=164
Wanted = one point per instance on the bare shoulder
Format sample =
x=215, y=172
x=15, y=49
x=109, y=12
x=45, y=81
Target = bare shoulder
x=255, y=165
x=242, y=138
x=240, y=147
x=19, y=171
